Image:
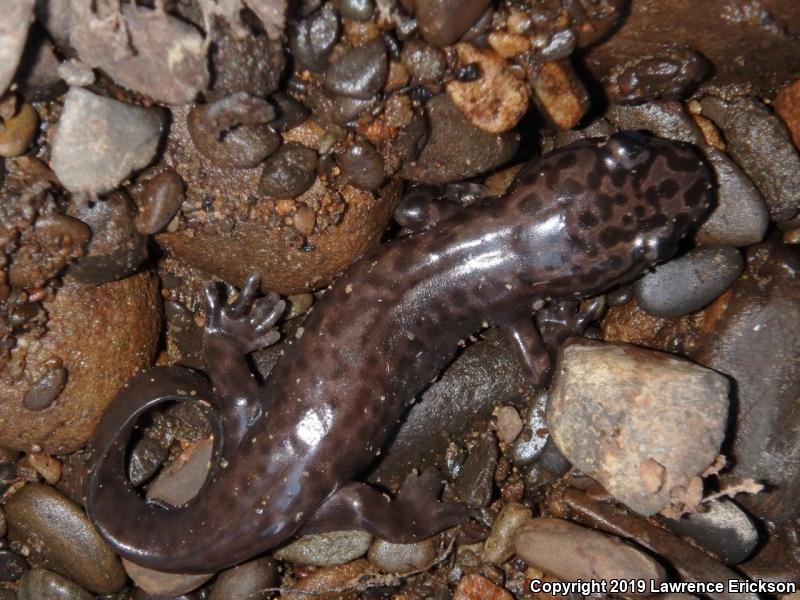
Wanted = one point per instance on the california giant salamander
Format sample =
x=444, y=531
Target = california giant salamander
x=576, y=222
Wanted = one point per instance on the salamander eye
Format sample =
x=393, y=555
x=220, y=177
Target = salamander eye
x=626, y=150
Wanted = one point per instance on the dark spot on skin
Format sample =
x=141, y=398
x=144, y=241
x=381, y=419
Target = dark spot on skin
x=528, y=204
x=627, y=219
x=611, y=236
x=604, y=203
x=587, y=220
x=682, y=220
x=683, y=162
x=594, y=179
x=612, y=262
x=570, y=187
x=591, y=252
x=639, y=211
x=552, y=178
x=372, y=361
x=694, y=195
x=588, y=279
x=652, y=197
x=668, y=188
x=618, y=178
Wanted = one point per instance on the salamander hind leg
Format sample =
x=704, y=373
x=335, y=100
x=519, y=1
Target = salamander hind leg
x=414, y=514
x=231, y=333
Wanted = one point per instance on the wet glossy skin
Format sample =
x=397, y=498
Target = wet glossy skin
x=575, y=223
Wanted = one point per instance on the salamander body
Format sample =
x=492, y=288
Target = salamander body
x=573, y=224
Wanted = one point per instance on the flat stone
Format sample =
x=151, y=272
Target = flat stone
x=442, y=22
x=643, y=423
x=164, y=585
x=42, y=584
x=61, y=537
x=101, y=141
x=326, y=549
x=248, y=581
x=402, y=558
x=571, y=552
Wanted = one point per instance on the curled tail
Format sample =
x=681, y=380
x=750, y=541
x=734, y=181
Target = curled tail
x=142, y=532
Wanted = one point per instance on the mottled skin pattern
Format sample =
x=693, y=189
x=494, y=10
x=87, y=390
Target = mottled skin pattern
x=573, y=224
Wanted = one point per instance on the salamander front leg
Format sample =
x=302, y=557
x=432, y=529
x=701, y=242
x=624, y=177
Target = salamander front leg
x=562, y=319
x=530, y=348
x=414, y=514
x=231, y=333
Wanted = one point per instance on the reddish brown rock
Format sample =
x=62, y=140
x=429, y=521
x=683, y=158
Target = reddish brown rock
x=787, y=105
x=753, y=46
x=102, y=335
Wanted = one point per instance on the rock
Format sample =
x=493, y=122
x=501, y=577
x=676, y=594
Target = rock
x=495, y=101
x=18, y=132
x=442, y=22
x=12, y=565
x=41, y=584
x=164, y=585
x=425, y=62
x=47, y=467
x=778, y=559
x=402, y=558
x=476, y=587
x=644, y=424
x=665, y=118
x=37, y=75
x=360, y=72
x=560, y=93
x=571, y=552
x=599, y=127
x=741, y=217
x=753, y=51
x=60, y=537
x=101, y=141
x=248, y=581
x=760, y=143
x=752, y=335
x=687, y=284
x=509, y=424
x=486, y=375
x=340, y=577
x=312, y=39
x=671, y=74
x=358, y=10
x=181, y=480
x=499, y=546
x=723, y=529
x=361, y=166
x=456, y=148
x=289, y=112
x=234, y=132
x=532, y=438
x=475, y=482
x=147, y=51
x=46, y=389
x=289, y=172
x=326, y=549
x=787, y=105
x=116, y=248
x=162, y=197
x=17, y=19
x=100, y=347
x=75, y=73
x=147, y=456
x=552, y=460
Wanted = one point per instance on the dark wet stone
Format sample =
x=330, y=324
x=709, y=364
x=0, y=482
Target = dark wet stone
x=402, y=558
x=62, y=538
x=247, y=581
x=158, y=55
x=724, y=529
x=687, y=284
x=672, y=75
x=116, y=248
x=778, y=559
x=185, y=333
x=12, y=565
x=46, y=389
x=358, y=10
x=666, y=118
x=252, y=63
x=753, y=336
x=552, y=460
x=101, y=141
x=740, y=217
x=425, y=62
x=411, y=140
x=457, y=149
x=475, y=482
x=361, y=166
x=8, y=475
x=146, y=458
x=760, y=143
x=442, y=22
x=312, y=39
x=38, y=73
x=234, y=132
x=289, y=172
x=560, y=46
x=162, y=197
x=532, y=439
x=41, y=584
x=485, y=376
x=360, y=72
x=289, y=112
